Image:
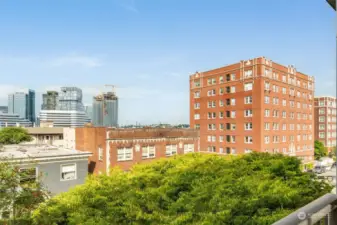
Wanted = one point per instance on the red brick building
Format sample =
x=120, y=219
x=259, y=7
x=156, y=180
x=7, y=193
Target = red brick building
x=254, y=104
x=126, y=147
x=325, y=121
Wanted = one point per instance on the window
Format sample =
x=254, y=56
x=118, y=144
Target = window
x=228, y=90
x=248, y=139
x=284, y=138
x=228, y=77
x=247, y=151
x=284, y=114
x=148, y=152
x=248, y=86
x=211, y=148
x=321, y=103
x=221, y=79
x=275, y=126
x=232, y=89
x=266, y=126
x=197, y=94
x=275, y=101
x=233, y=126
x=188, y=148
x=197, y=126
x=267, y=86
x=68, y=172
x=266, y=99
x=197, y=116
x=221, y=91
x=284, y=90
x=233, y=76
x=321, y=135
x=284, y=126
x=124, y=154
x=248, y=100
x=284, y=78
x=233, y=101
x=298, y=105
x=275, y=113
x=211, y=127
x=221, y=126
x=266, y=139
x=197, y=105
x=321, y=119
x=221, y=103
x=211, y=92
x=233, y=114
x=248, y=113
x=221, y=138
x=248, y=126
x=321, y=111
x=100, y=154
x=322, y=127
x=171, y=150
x=221, y=115
x=197, y=83
x=266, y=113
x=228, y=101
x=248, y=73
x=276, y=139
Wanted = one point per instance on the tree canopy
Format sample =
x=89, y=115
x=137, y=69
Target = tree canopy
x=320, y=150
x=14, y=135
x=257, y=188
x=20, y=191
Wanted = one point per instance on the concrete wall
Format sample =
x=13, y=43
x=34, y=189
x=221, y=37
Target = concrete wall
x=51, y=175
x=69, y=138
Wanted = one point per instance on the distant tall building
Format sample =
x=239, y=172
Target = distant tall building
x=88, y=111
x=69, y=110
x=325, y=120
x=4, y=109
x=70, y=98
x=22, y=104
x=105, y=110
x=50, y=100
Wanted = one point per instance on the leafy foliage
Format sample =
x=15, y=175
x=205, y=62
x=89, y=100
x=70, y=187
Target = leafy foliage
x=320, y=150
x=20, y=194
x=257, y=188
x=14, y=135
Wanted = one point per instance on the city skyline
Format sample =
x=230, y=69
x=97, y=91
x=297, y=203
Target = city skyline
x=93, y=44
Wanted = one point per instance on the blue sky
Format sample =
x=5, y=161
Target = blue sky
x=148, y=48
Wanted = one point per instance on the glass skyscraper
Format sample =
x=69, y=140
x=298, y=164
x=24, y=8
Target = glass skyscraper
x=70, y=98
x=105, y=110
x=22, y=104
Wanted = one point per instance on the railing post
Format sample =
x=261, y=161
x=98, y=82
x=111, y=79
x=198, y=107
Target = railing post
x=333, y=216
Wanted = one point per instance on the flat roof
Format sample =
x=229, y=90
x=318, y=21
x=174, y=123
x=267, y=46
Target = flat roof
x=39, y=152
x=45, y=130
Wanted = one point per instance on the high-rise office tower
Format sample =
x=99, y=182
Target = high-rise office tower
x=88, y=111
x=69, y=110
x=105, y=110
x=254, y=105
x=50, y=100
x=70, y=98
x=4, y=109
x=325, y=120
x=22, y=104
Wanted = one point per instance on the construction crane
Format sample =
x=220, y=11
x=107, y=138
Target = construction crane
x=113, y=87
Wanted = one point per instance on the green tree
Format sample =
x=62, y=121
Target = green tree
x=258, y=188
x=14, y=135
x=20, y=191
x=320, y=150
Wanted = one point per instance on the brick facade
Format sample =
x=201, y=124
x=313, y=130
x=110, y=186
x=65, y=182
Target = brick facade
x=230, y=106
x=131, y=143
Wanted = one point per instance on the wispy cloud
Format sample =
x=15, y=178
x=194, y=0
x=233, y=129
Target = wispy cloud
x=129, y=5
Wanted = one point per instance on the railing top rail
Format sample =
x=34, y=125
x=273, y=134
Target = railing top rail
x=309, y=209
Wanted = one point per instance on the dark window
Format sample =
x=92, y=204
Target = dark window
x=228, y=77
x=228, y=126
x=228, y=114
x=228, y=138
x=228, y=89
x=228, y=150
x=228, y=101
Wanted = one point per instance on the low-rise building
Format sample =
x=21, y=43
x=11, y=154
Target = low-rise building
x=13, y=120
x=58, y=169
x=127, y=147
x=46, y=135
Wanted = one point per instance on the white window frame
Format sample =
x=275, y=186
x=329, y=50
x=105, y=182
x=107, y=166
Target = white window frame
x=188, y=148
x=147, y=150
x=171, y=150
x=124, y=154
x=75, y=171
